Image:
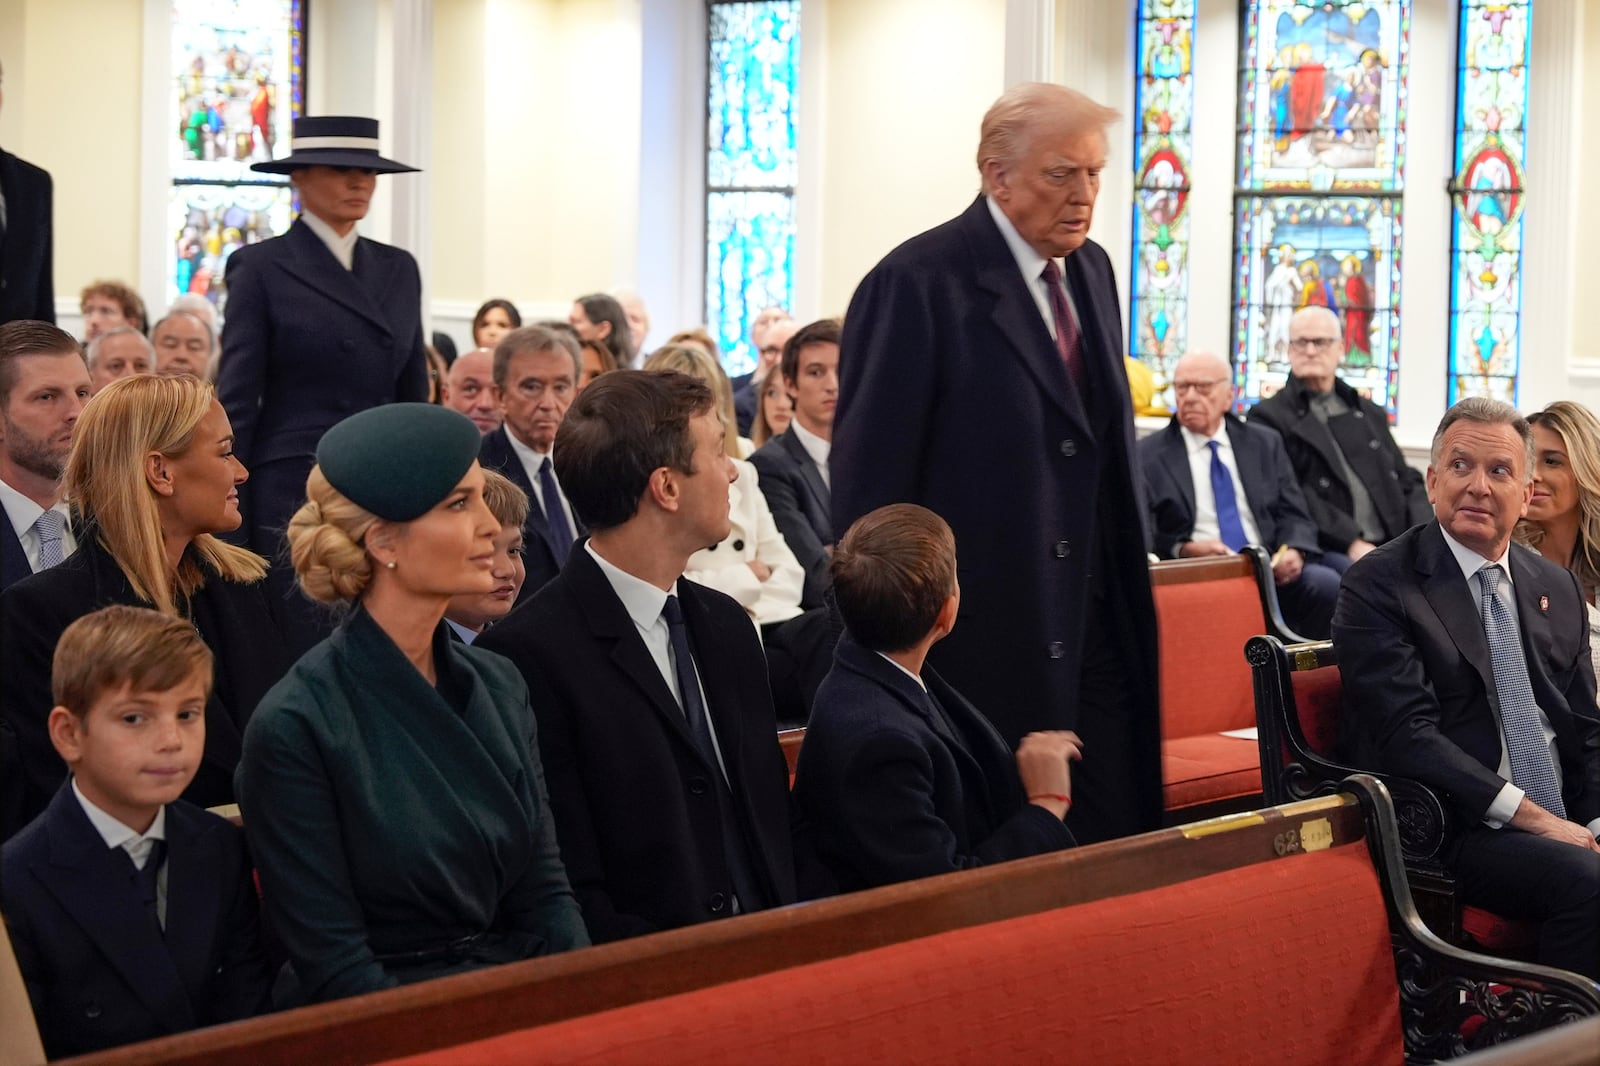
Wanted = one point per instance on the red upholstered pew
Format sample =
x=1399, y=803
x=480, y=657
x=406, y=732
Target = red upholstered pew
x=1266, y=937
x=1206, y=609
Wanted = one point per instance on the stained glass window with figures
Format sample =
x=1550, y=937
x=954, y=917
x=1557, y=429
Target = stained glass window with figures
x=1320, y=172
x=1487, y=200
x=1163, y=147
x=752, y=165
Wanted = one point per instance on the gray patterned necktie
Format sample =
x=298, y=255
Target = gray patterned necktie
x=1531, y=768
x=49, y=526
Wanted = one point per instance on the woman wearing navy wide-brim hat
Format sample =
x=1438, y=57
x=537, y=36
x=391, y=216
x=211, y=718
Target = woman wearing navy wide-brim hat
x=321, y=323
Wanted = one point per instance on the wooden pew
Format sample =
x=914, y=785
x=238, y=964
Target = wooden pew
x=1206, y=609
x=790, y=740
x=1286, y=847
x=1299, y=702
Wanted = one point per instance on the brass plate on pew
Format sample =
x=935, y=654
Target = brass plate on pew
x=1306, y=660
x=1316, y=835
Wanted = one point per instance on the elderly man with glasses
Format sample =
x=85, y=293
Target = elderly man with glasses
x=1358, y=487
x=1217, y=484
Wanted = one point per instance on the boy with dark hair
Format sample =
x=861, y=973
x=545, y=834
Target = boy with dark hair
x=132, y=913
x=900, y=777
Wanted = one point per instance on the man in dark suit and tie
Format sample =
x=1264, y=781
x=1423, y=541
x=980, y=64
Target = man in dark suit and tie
x=656, y=725
x=1216, y=484
x=536, y=371
x=981, y=377
x=1358, y=486
x=27, y=284
x=44, y=384
x=793, y=466
x=1465, y=663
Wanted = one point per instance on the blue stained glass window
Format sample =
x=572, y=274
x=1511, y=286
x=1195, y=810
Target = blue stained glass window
x=1163, y=147
x=238, y=78
x=1487, y=200
x=752, y=166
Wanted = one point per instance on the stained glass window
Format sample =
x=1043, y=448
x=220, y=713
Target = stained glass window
x=1159, y=309
x=1487, y=195
x=238, y=81
x=751, y=167
x=1321, y=166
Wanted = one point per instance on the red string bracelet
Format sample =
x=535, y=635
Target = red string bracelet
x=1058, y=797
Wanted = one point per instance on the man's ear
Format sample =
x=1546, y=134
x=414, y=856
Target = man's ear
x=663, y=489
x=66, y=733
x=156, y=473
x=995, y=180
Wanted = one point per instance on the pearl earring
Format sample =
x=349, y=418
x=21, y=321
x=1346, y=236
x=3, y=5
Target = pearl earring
x=390, y=565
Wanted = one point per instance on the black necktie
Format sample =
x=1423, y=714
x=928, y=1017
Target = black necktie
x=144, y=878
x=740, y=868
x=555, y=515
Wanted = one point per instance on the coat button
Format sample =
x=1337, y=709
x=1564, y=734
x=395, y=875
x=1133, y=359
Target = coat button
x=738, y=545
x=1322, y=482
x=1359, y=413
x=1057, y=649
x=1373, y=444
x=1063, y=549
x=1069, y=448
x=712, y=548
x=1394, y=475
x=717, y=903
x=91, y=1009
x=697, y=786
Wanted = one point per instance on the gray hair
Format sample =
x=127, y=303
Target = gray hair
x=534, y=339
x=1315, y=311
x=95, y=345
x=1485, y=412
x=1009, y=124
x=211, y=338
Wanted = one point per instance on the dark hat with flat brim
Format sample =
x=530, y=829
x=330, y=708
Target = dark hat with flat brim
x=334, y=141
x=400, y=460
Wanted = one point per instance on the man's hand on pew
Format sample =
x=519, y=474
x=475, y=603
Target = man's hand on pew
x=1044, y=763
x=1532, y=818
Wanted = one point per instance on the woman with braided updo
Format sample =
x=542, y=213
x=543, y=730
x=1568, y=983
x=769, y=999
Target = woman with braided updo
x=390, y=784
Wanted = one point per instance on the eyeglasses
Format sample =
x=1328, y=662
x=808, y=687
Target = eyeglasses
x=1313, y=344
x=1181, y=387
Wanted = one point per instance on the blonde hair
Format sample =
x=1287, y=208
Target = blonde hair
x=326, y=543
x=1579, y=430
x=695, y=361
x=1011, y=121
x=505, y=499
x=105, y=484
x=760, y=428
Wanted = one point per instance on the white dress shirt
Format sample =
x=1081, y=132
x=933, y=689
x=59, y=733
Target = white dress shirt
x=343, y=248
x=644, y=603
x=1031, y=264
x=1206, y=526
x=815, y=447
x=1510, y=796
x=137, y=845
x=532, y=459
x=22, y=513
x=915, y=677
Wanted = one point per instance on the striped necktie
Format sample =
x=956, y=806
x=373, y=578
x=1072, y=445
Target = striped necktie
x=49, y=527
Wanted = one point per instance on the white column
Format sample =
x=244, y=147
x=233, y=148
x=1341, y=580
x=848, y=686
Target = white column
x=1211, y=174
x=808, y=204
x=1030, y=41
x=411, y=134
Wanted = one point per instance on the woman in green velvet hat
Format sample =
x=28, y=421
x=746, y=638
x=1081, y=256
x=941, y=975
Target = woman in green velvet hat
x=390, y=784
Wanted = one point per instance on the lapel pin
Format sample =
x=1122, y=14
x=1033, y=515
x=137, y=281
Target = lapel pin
x=1544, y=604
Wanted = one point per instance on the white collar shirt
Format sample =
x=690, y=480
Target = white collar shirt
x=1031, y=265
x=23, y=514
x=903, y=670
x=343, y=248
x=1206, y=524
x=532, y=459
x=816, y=447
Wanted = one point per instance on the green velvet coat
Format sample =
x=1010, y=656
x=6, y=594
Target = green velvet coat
x=386, y=819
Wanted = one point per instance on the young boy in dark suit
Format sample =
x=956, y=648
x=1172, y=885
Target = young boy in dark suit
x=900, y=777
x=132, y=913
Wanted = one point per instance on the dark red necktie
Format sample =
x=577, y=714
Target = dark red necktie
x=1067, y=339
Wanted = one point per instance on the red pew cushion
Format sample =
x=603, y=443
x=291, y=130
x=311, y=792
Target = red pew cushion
x=1208, y=768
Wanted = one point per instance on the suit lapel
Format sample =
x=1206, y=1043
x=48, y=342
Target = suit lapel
x=808, y=473
x=1533, y=611
x=91, y=882
x=498, y=452
x=193, y=860
x=1248, y=458
x=1311, y=429
x=1446, y=590
x=721, y=684
x=313, y=265
x=1175, y=459
x=1016, y=314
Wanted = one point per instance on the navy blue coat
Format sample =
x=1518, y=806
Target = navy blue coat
x=98, y=971
x=13, y=560
x=306, y=344
x=891, y=793
x=800, y=505
x=1270, y=488
x=27, y=284
x=952, y=396
x=538, y=557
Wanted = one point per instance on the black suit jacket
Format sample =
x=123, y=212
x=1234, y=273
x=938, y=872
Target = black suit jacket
x=13, y=560
x=952, y=396
x=306, y=344
x=233, y=619
x=891, y=793
x=538, y=557
x=1419, y=692
x=27, y=284
x=799, y=501
x=1270, y=489
x=1397, y=490
x=635, y=812
x=98, y=971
